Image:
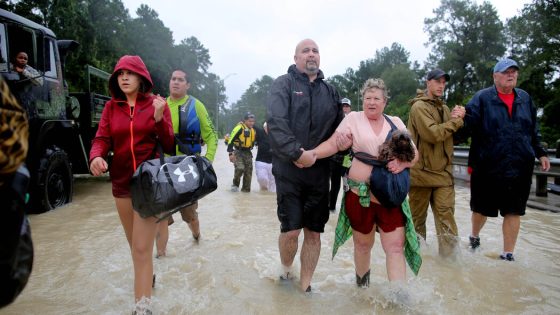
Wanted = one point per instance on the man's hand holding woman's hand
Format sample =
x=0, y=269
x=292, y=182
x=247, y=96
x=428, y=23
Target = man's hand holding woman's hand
x=306, y=159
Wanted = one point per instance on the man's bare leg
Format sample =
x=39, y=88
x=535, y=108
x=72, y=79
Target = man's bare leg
x=309, y=256
x=478, y=220
x=194, y=226
x=288, y=246
x=510, y=228
x=162, y=236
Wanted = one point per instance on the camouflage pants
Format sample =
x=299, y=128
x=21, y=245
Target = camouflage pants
x=243, y=167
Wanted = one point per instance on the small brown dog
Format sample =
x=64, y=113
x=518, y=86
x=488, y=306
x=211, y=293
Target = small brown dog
x=399, y=146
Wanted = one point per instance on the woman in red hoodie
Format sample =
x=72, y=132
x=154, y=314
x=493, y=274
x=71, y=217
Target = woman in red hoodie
x=131, y=123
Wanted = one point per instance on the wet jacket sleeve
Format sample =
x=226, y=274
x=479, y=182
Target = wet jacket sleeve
x=536, y=135
x=282, y=139
x=164, y=131
x=429, y=129
x=207, y=131
x=233, y=135
x=472, y=116
x=101, y=144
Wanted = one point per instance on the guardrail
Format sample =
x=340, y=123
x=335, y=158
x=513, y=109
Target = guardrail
x=461, y=157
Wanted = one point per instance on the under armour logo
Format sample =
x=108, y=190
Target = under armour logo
x=181, y=174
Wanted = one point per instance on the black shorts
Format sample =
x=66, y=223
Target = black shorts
x=508, y=196
x=302, y=196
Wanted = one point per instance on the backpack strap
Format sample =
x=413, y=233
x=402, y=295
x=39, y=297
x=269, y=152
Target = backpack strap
x=184, y=116
x=190, y=109
x=369, y=159
x=393, y=127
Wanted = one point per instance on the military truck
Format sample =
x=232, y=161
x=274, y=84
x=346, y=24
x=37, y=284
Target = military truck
x=61, y=124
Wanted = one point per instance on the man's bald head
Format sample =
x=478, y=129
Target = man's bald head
x=307, y=57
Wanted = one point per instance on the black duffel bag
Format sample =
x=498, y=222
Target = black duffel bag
x=163, y=186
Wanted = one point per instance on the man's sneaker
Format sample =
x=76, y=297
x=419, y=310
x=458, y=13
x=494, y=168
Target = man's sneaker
x=234, y=188
x=507, y=257
x=474, y=242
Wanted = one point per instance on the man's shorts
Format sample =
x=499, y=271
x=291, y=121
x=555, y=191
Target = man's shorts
x=490, y=195
x=303, y=198
x=363, y=219
x=188, y=214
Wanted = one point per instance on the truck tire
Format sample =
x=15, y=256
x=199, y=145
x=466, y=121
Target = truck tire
x=56, y=183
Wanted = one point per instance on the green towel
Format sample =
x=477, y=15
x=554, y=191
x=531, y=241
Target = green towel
x=343, y=232
x=411, y=244
x=347, y=161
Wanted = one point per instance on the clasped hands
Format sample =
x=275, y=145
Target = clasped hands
x=309, y=157
x=458, y=111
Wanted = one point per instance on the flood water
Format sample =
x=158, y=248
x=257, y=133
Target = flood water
x=83, y=264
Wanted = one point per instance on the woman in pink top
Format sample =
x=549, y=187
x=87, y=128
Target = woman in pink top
x=364, y=132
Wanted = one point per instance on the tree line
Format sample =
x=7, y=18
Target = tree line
x=106, y=31
x=466, y=39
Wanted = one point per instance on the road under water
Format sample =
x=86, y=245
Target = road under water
x=83, y=264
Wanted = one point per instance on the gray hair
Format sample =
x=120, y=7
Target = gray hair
x=372, y=84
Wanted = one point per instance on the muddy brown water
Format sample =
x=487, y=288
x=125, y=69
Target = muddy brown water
x=83, y=264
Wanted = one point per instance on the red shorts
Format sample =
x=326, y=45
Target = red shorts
x=363, y=219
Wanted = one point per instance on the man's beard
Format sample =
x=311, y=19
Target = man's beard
x=311, y=67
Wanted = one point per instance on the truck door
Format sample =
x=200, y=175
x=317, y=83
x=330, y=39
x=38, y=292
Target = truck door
x=53, y=103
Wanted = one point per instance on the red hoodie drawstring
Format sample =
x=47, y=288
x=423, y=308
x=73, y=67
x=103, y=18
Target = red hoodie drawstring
x=131, y=109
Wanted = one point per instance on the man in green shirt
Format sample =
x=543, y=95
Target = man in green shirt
x=192, y=127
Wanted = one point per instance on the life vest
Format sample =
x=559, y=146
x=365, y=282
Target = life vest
x=189, y=136
x=246, y=137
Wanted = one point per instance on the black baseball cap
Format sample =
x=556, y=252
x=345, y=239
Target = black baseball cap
x=436, y=74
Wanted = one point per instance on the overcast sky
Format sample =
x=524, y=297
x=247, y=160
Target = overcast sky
x=250, y=38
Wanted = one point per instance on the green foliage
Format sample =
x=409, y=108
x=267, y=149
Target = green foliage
x=534, y=42
x=394, y=67
x=253, y=100
x=467, y=40
x=348, y=86
x=402, y=84
x=106, y=31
